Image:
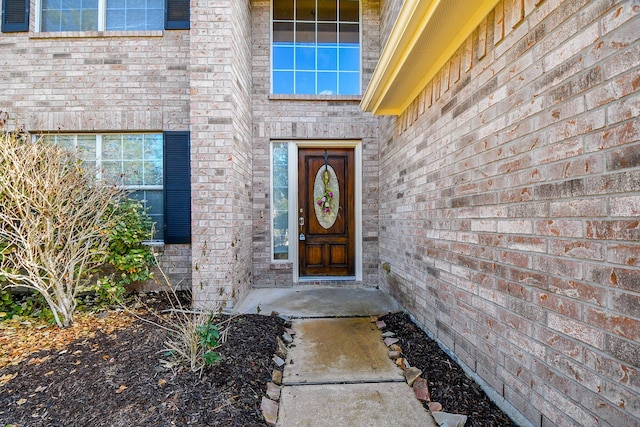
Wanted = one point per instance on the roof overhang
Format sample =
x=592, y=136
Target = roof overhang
x=425, y=36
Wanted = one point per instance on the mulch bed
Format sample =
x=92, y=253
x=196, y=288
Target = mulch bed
x=106, y=371
x=115, y=379
x=448, y=384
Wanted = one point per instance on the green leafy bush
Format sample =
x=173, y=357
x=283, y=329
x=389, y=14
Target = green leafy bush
x=209, y=336
x=8, y=308
x=28, y=304
x=127, y=255
x=127, y=252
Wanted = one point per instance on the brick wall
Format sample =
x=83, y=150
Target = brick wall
x=220, y=153
x=389, y=11
x=510, y=204
x=107, y=82
x=175, y=262
x=88, y=82
x=242, y=146
x=300, y=118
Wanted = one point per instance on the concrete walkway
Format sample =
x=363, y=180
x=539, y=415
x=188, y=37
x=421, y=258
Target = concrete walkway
x=338, y=371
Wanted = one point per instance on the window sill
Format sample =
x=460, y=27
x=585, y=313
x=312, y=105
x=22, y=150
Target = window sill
x=285, y=97
x=154, y=244
x=93, y=34
x=281, y=265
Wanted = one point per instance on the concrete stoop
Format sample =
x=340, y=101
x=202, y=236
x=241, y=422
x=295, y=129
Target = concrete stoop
x=317, y=302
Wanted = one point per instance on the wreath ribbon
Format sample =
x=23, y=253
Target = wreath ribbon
x=325, y=201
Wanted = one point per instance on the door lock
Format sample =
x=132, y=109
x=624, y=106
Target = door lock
x=301, y=225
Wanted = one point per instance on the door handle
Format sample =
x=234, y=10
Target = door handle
x=301, y=226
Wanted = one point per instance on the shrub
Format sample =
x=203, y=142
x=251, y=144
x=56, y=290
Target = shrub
x=127, y=255
x=192, y=341
x=8, y=308
x=193, y=335
x=54, y=221
x=209, y=341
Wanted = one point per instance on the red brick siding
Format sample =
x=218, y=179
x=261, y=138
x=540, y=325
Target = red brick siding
x=510, y=208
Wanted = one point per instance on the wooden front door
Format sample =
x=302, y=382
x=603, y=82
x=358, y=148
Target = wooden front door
x=326, y=212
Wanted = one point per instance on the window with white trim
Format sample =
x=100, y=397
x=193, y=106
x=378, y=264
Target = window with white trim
x=280, y=201
x=133, y=161
x=101, y=15
x=316, y=47
x=96, y=15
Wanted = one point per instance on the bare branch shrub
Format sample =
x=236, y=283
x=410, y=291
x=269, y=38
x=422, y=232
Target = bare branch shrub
x=184, y=345
x=193, y=335
x=54, y=221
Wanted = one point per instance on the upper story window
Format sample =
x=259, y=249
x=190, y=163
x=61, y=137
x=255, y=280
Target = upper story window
x=316, y=47
x=101, y=15
x=95, y=15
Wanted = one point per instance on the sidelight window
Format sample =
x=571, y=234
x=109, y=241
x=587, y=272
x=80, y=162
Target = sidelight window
x=280, y=200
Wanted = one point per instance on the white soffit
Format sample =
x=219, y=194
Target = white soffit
x=425, y=36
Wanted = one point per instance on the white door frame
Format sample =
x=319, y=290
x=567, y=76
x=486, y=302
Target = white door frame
x=293, y=197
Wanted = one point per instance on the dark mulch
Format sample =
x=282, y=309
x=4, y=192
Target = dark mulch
x=116, y=380
x=448, y=384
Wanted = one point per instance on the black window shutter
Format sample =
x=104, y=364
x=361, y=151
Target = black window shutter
x=177, y=15
x=15, y=16
x=177, y=188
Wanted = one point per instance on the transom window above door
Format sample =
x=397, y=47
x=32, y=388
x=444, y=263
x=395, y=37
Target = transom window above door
x=316, y=47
